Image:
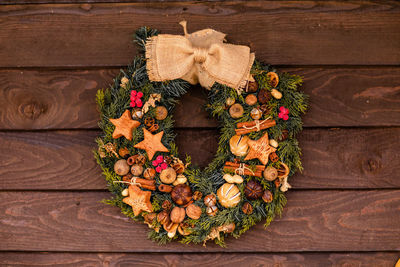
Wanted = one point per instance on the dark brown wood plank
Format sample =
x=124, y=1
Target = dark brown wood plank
x=64, y=99
x=341, y=158
x=283, y=32
x=329, y=220
x=370, y=259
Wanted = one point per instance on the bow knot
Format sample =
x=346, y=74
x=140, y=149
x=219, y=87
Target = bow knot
x=200, y=57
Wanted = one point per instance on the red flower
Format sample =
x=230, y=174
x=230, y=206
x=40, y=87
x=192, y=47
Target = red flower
x=283, y=113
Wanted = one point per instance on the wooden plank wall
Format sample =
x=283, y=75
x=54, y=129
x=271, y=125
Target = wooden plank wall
x=344, y=209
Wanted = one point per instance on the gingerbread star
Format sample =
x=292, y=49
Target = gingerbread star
x=139, y=200
x=124, y=126
x=151, y=143
x=260, y=149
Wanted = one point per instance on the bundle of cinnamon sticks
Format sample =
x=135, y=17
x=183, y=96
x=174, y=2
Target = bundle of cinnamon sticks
x=231, y=166
x=251, y=126
x=144, y=183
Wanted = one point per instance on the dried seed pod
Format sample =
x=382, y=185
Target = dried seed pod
x=230, y=101
x=263, y=96
x=212, y=211
x=177, y=215
x=270, y=173
x=250, y=100
x=273, y=157
x=178, y=167
x=141, y=159
x=168, y=175
x=252, y=87
x=136, y=170
x=171, y=229
x=273, y=143
x=193, y=211
x=163, y=217
x=276, y=94
x=197, y=195
x=168, y=160
x=132, y=160
x=123, y=152
x=238, y=145
x=183, y=229
x=283, y=171
x=267, y=196
x=121, y=167
x=149, y=173
x=273, y=79
x=253, y=190
x=161, y=113
x=210, y=200
x=247, y=208
x=284, y=135
x=154, y=127
x=166, y=205
x=148, y=122
x=236, y=111
x=228, y=195
x=256, y=114
x=181, y=194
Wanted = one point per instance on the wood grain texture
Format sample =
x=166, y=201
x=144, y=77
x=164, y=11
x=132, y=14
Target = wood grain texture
x=370, y=259
x=283, y=32
x=65, y=99
x=338, y=158
x=312, y=221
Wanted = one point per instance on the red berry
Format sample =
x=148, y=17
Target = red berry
x=139, y=94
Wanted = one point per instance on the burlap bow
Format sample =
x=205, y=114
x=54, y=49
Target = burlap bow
x=200, y=57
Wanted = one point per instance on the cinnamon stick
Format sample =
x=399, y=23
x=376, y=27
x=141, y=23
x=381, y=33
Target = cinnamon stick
x=165, y=188
x=145, y=182
x=251, y=124
x=150, y=187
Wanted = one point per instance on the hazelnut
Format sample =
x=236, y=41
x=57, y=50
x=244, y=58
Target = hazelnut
x=267, y=196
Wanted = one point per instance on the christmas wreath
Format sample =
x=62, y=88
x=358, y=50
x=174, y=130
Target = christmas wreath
x=259, y=111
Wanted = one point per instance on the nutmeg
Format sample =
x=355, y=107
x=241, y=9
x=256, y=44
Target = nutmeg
x=149, y=173
x=136, y=170
x=270, y=173
x=276, y=94
x=210, y=200
x=161, y=113
x=121, y=167
x=193, y=211
x=168, y=175
x=267, y=196
x=250, y=100
x=177, y=214
x=236, y=111
x=137, y=113
x=181, y=194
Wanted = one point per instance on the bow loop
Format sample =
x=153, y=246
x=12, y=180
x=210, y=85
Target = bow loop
x=200, y=57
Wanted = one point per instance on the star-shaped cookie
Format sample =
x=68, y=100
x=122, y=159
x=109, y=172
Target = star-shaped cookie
x=151, y=143
x=139, y=200
x=260, y=149
x=124, y=126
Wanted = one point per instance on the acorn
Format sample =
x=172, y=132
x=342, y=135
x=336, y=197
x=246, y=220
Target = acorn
x=181, y=194
x=210, y=200
x=177, y=215
x=161, y=113
x=212, y=211
x=149, y=173
x=136, y=170
x=273, y=143
x=230, y=101
x=263, y=96
x=276, y=94
x=252, y=87
x=256, y=114
x=267, y=196
x=247, y=208
x=168, y=175
x=121, y=167
x=273, y=79
x=250, y=100
x=236, y=111
x=270, y=173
